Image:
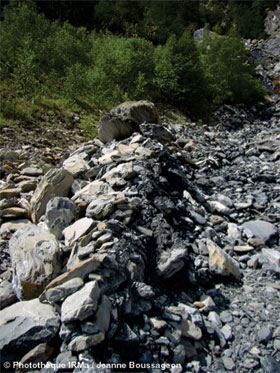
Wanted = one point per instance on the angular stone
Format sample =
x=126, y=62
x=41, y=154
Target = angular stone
x=233, y=231
x=157, y=132
x=13, y=212
x=56, y=183
x=243, y=249
x=24, y=325
x=81, y=304
x=272, y=255
x=35, y=260
x=190, y=330
x=103, y=313
x=32, y=171
x=227, y=331
x=13, y=226
x=92, y=191
x=261, y=229
x=60, y=292
x=27, y=185
x=171, y=261
x=60, y=212
x=7, y=294
x=221, y=263
x=158, y=324
x=220, y=207
x=82, y=343
x=265, y=333
x=228, y=363
x=39, y=354
x=103, y=206
x=76, y=164
x=78, y=229
x=81, y=270
x=9, y=193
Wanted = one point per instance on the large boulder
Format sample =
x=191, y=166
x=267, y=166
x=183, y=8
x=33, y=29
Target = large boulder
x=35, y=260
x=139, y=111
x=125, y=118
x=23, y=326
x=56, y=183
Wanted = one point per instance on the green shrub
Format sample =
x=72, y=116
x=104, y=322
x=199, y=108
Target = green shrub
x=21, y=25
x=230, y=75
x=122, y=68
x=178, y=72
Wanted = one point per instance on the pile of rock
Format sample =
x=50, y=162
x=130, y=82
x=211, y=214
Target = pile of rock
x=117, y=258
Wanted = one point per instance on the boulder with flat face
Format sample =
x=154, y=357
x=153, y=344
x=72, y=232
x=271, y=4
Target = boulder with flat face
x=23, y=326
x=35, y=260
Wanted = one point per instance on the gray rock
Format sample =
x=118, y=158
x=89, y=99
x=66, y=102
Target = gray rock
x=81, y=270
x=157, y=132
x=261, y=229
x=39, y=354
x=78, y=229
x=112, y=127
x=171, y=261
x=91, y=191
x=60, y=212
x=77, y=164
x=32, y=171
x=140, y=111
x=228, y=363
x=60, y=292
x=273, y=256
x=35, y=260
x=56, y=183
x=13, y=226
x=227, y=331
x=270, y=364
x=81, y=304
x=7, y=294
x=143, y=290
x=265, y=333
x=82, y=342
x=103, y=206
x=103, y=313
x=24, y=325
x=179, y=354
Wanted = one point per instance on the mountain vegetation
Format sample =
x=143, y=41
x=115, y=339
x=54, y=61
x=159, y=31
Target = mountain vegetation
x=89, y=56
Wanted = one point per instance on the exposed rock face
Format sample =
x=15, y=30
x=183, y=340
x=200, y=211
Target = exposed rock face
x=56, y=183
x=35, y=260
x=23, y=326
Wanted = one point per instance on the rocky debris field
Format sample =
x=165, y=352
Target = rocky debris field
x=159, y=250
x=156, y=250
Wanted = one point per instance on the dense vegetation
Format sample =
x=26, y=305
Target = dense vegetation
x=93, y=55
